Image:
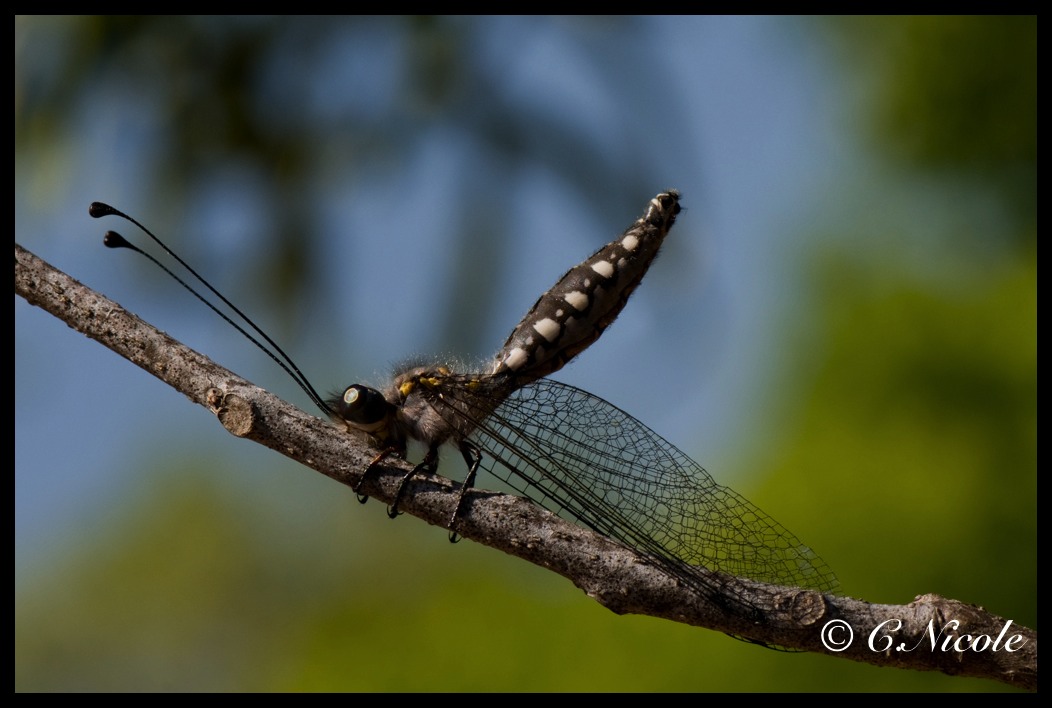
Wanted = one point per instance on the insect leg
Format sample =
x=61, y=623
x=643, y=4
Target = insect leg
x=472, y=457
x=371, y=470
x=428, y=466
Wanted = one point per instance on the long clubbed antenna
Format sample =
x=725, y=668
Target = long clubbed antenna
x=112, y=239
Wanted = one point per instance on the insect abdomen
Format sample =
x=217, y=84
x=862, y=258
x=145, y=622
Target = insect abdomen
x=575, y=312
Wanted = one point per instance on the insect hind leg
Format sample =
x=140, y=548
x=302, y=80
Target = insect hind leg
x=472, y=457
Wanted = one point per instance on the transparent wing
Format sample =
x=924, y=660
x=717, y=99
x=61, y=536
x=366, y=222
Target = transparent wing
x=588, y=461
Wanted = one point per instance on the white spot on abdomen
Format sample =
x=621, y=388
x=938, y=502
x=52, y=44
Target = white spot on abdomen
x=577, y=299
x=516, y=358
x=547, y=328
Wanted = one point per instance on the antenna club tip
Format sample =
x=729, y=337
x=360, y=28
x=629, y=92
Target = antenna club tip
x=112, y=239
x=98, y=209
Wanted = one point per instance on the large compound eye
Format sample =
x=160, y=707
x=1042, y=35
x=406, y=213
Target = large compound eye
x=362, y=406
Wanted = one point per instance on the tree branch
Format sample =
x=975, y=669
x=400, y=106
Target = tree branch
x=927, y=634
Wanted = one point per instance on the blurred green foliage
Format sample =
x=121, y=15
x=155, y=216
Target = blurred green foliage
x=955, y=97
